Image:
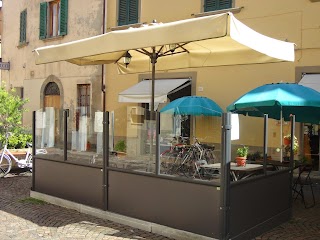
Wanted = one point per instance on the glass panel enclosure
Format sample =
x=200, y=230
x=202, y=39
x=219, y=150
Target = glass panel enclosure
x=49, y=132
x=85, y=132
x=188, y=144
x=132, y=138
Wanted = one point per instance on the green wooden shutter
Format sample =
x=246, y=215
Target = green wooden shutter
x=128, y=12
x=122, y=14
x=63, y=17
x=212, y=5
x=133, y=11
x=23, y=26
x=224, y=4
x=43, y=21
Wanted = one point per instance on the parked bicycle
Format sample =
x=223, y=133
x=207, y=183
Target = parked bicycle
x=185, y=160
x=7, y=157
x=176, y=150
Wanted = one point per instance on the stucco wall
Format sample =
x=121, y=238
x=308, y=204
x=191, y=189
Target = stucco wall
x=294, y=21
x=84, y=20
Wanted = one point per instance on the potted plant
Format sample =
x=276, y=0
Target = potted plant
x=287, y=145
x=120, y=147
x=242, y=153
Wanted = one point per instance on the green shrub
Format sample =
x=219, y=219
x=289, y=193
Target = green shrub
x=120, y=146
x=17, y=140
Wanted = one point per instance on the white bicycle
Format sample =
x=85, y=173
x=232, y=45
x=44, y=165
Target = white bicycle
x=7, y=157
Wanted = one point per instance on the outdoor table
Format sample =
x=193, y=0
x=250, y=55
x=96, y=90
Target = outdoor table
x=237, y=172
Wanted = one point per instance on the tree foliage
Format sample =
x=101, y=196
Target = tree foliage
x=11, y=110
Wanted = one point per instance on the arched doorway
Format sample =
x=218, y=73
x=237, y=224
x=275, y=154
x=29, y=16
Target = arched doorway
x=52, y=95
x=51, y=104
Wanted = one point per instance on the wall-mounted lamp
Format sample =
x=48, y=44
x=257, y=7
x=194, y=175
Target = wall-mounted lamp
x=172, y=47
x=127, y=59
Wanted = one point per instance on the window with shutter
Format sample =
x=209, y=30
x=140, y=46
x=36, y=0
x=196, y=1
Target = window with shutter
x=63, y=17
x=213, y=5
x=43, y=21
x=128, y=12
x=23, y=27
x=53, y=19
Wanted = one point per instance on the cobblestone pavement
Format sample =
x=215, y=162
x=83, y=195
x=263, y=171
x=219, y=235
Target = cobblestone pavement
x=22, y=218
x=26, y=219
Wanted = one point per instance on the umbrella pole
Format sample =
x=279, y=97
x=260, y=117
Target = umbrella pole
x=281, y=140
x=153, y=58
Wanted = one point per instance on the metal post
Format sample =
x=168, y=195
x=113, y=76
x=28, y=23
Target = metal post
x=65, y=136
x=33, y=150
x=293, y=122
x=157, y=143
x=265, y=143
x=105, y=156
x=225, y=175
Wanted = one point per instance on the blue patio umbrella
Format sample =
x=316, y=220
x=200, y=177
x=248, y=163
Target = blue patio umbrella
x=280, y=100
x=193, y=105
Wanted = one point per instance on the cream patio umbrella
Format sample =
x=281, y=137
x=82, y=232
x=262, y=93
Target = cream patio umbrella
x=199, y=42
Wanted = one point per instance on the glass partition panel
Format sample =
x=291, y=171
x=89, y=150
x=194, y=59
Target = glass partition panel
x=188, y=145
x=84, y=136
x=49, y=132
x=132, y=138
x=247, y=150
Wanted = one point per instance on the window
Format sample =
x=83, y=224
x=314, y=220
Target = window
x=128, y=12
x=213, y=5
x=83, y=103
x=84, y=99
x=53, y=19
x=23, y=27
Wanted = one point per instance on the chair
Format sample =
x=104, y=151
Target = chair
x=303, y=180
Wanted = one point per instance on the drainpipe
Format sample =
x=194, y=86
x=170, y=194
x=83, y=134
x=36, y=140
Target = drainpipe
x=103, y=84
x=105, y=187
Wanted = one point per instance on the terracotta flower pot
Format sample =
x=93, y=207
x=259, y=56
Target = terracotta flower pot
x=241, y=161
x=286, y=141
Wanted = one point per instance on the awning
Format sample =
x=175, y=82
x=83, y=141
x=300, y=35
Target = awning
x=311, y=81
x=141, y=92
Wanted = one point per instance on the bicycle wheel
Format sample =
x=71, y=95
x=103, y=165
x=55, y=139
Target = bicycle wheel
x=29, y=163
x=209, y=156
x=5, y=165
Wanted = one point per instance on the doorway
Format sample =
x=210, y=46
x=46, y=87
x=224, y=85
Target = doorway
x=51, y=105
x=312, y=137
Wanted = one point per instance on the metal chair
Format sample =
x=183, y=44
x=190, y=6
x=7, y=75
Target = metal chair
x=303, y=180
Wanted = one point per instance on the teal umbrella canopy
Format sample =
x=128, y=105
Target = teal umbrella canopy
x=272, y=99
x=193, y=105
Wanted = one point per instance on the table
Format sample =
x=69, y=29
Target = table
x=237, y=172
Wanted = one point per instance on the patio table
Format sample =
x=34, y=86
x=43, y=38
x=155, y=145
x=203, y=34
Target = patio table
x=237, y=172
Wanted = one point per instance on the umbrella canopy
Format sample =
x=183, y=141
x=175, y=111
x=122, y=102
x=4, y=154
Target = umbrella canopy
x=280, y=99
x=206, y=41
x=193, y=105
x=199, y=42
